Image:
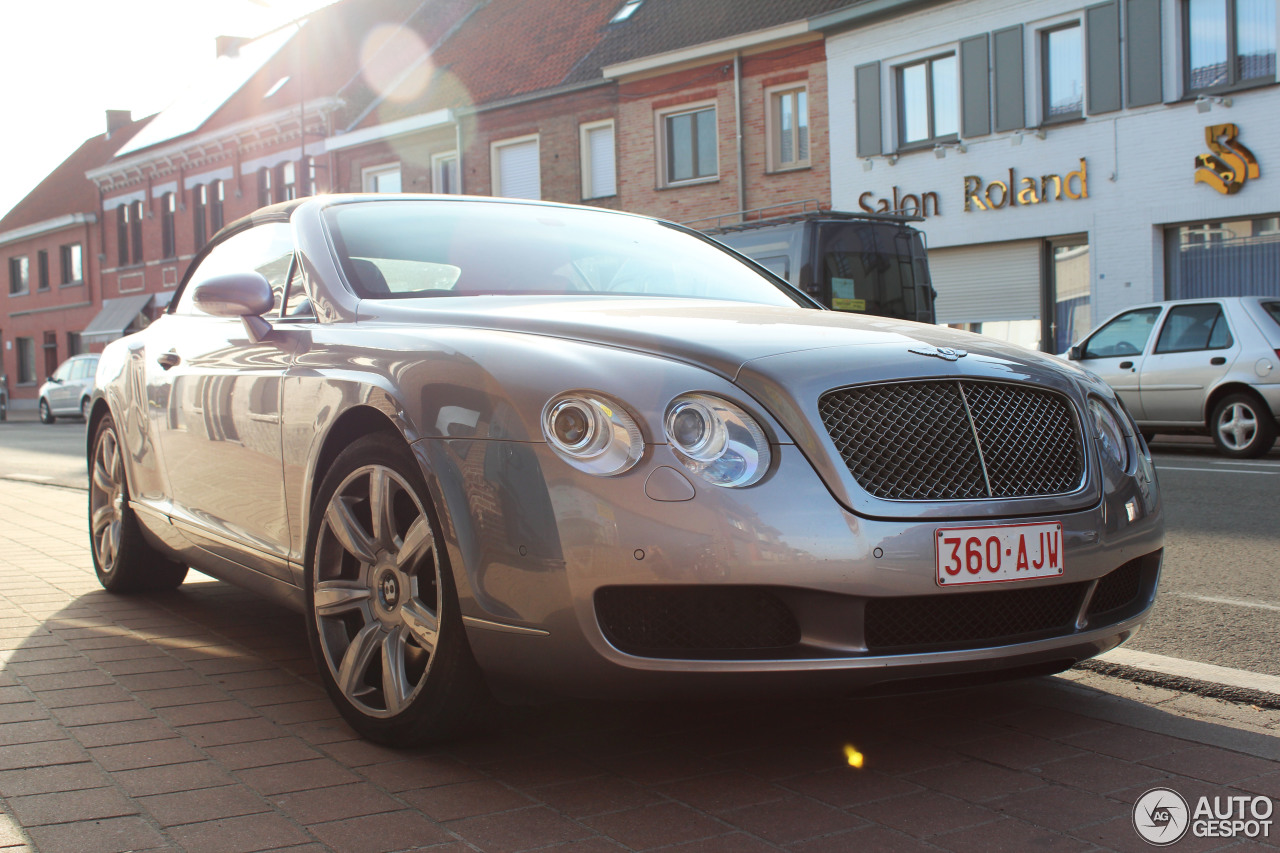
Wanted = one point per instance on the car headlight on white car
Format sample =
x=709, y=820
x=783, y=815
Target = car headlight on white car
x=592, y=433
x=717, y=440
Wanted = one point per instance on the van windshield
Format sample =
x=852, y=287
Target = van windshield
x=876, y=268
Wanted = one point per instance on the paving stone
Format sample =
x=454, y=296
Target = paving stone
x=297, y=776
x=113, y=835
x=335, y=803
x=924, y=814
x=170, y=778
x=468, y=799
x=204, y=804
x=46, y=780
x=791, y=820
x=380, y=833
x=504, y=832
x=239, y=834
x=657, y=825
x=71, y=806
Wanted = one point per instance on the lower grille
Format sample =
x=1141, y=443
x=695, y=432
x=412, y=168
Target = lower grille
x=1118, y=590
x=695, y=622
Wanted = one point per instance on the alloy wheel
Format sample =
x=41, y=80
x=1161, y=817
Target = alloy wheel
x=1237, y=426
x=377, y=594
x=106, y=500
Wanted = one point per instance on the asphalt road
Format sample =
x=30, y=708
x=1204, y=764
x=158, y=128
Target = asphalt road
x=1220, y=594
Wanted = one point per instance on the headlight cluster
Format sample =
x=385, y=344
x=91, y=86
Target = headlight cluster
x=712, y=437
x=1111, y=437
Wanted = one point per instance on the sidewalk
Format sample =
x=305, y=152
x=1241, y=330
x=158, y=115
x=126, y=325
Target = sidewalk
x=193, y=721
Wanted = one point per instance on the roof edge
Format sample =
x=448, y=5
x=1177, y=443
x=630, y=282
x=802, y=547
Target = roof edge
x=706, y=50
x=47, y=226
x=866, y=12
x=399, y=127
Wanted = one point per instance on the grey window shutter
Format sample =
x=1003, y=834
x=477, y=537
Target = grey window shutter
x=975, y=86
x=1143, y=49
x=1011, y=109
x=1103, y=55
x=866, y=83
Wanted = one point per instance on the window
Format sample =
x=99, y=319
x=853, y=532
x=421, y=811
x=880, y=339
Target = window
x=199, y=214
x=288, y=181
x=628, y=8
x=1062, y=57
x=516, y=171
x=74, y=344
x=928, y=101
x=788, y=129
x=216, y=198
x=1124, y=336
x=168, y=239
x=1194, y=327
x=264, y=187
x=19, y=276
x=444, y=173
x=382, y=179
x=42, y=270
x=690, y=145
x=122, y=235
x=599, y=173
x=72, y=264
x=135, y=230
x=51, y=358
x=1229, y=43
x=26, y=361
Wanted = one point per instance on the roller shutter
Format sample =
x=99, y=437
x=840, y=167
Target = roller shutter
x=988, y=283
x=517, y=170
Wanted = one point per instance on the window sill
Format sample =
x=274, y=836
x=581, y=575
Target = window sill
x=1218, y=91
x=79, y=283
x=783, y=170
x=928, y=144
x=1060, y=122
x=20, y=293
x=693, y=183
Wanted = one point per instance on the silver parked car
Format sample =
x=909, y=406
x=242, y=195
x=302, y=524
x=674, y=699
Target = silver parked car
x=1209, y=366
x=488, y=441
x=69, y=390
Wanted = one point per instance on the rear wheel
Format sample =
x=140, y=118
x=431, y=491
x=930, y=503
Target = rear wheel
x=46, y=415
x=382, y=614
x=122, y=558
x=1242, y=427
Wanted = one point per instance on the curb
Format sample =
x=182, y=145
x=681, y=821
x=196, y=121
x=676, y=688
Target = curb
x=1184, y=676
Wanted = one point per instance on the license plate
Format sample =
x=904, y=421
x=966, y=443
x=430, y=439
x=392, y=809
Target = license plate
x=998, y=553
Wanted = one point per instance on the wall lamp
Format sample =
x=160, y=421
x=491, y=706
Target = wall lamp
x=1204, y=103
x=868, y=163
x=940, y=150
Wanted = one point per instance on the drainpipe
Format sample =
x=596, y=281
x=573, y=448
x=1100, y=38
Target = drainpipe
x=737, y=118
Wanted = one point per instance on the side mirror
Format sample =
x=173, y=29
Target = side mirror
x=246, y=295
x=1075, y=353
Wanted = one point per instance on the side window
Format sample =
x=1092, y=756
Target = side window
x=63, y=373
x=81, y=369
x=1194, y=327
x=266, y=248
x=1125, y=335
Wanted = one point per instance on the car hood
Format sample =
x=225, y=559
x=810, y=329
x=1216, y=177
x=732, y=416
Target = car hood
x=723, y=337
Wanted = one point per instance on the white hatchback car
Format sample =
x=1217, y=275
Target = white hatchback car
x=1209, y=366
x=69, y=389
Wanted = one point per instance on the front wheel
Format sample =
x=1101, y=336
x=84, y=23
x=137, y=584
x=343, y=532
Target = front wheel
x=122, y=558
x=46, y=414
x=86, y=406
x=382, y=615
x=1242, y=427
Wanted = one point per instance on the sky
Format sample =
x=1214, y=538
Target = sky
x=66, y=62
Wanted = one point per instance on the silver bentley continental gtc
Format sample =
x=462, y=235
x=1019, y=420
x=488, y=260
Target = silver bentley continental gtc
x=486, y=443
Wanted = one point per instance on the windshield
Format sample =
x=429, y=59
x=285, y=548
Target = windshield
x=405, y=249
x=876, y=268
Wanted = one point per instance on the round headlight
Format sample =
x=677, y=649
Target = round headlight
x=592, y=433
x=1109, y=433
x=717, y=440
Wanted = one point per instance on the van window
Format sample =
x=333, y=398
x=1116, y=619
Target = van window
x=876, y=268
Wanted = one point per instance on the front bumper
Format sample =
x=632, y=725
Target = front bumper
x=533, y=542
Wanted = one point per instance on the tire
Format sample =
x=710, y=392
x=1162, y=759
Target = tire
x=86, y=407
x=383, y=619
x=46, y=416
x=123, y=560
x=1241, y=426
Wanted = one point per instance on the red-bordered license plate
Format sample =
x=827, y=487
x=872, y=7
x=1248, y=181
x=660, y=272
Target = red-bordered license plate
x=998, y=553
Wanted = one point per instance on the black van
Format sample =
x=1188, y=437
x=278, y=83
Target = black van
x=864, y=263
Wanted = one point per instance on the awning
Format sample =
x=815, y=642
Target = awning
x=118, y=318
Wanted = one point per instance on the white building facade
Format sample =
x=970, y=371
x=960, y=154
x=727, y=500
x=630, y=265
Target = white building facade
x=1070, y=160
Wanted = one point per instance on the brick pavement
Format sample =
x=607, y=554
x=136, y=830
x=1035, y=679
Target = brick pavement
x=193, y=721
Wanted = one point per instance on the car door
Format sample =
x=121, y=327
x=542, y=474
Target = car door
x=1116, y=352
x=215, y=411
x=1194, y=350
x=81, y=383
x=59, y=389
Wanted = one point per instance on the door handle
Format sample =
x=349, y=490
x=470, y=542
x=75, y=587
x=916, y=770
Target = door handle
x=169, y=359
x=1126, y=365
x=1217, y=360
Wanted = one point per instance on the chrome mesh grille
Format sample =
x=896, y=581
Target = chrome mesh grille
x=955, y=439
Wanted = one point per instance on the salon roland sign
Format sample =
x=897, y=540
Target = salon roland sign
x=1012, y=189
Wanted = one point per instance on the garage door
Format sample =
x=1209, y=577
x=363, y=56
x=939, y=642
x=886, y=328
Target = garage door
x=993, y=282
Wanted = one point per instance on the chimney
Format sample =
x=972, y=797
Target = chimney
x=229, y=46
x=117, y=120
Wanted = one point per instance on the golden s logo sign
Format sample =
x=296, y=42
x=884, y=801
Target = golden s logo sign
x=1230, y=164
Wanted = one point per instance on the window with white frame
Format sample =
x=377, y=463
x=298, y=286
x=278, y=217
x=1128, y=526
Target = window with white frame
x=444, y=173
x=599, y=169
x=19, y=275
x=381, y=179
x=689, y=144
x=788, y=127
x=1062, y=70
x=516, y=170
x=1229, y=43
x=929, y=101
